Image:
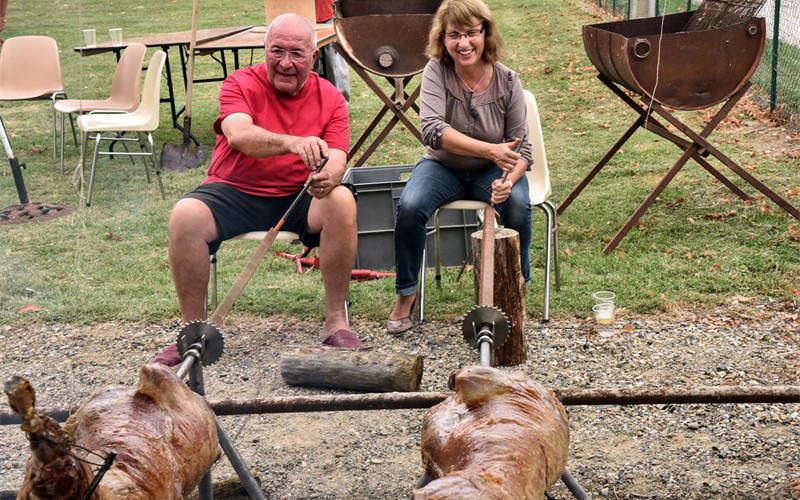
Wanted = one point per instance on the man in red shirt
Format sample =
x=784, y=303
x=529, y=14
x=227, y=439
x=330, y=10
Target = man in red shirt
x=277, y=122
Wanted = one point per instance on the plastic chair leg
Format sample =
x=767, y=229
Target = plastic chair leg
x=437, y=249
x=91, y=174
x=554, y=212
x=547, y=253
x=143, y=150
x=62, y=144
x=156, y=164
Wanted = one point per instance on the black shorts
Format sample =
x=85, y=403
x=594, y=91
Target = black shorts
x=236, y=212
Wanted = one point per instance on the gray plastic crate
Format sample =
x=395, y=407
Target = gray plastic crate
x=377, y=190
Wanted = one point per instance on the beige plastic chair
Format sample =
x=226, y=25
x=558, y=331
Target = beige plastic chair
x=255, y=236
x=539, y=189
x=144, y=119
x=30, y=69
x=124, y=91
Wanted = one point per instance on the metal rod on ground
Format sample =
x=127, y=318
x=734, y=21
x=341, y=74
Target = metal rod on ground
x=205, y=489
x=421, y=400
x=249, y=483
x=572, y=485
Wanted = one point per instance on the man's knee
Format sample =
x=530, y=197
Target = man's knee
x=191, y=217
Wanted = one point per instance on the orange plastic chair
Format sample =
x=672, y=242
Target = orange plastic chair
x=30, y=69
x=124, y=91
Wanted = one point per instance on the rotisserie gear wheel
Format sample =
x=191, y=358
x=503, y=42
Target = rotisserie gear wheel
x=485, y=315
x=208, y=335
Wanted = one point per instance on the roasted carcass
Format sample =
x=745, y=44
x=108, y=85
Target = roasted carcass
x=500, y=436
x=163, y=434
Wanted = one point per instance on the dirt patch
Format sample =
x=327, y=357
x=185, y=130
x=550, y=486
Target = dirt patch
x=656, y=451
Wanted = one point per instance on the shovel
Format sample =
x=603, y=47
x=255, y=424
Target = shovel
x=177, y=157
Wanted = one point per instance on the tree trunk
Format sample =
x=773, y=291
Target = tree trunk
x=509, y=291
x=354, y=369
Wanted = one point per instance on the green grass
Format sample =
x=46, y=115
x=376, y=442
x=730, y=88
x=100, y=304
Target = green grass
x=110, y=262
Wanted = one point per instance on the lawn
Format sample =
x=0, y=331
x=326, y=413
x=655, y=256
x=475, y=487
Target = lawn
x=697, y=244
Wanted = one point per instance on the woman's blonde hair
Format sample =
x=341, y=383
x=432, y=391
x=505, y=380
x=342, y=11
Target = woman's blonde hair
x=463, y=13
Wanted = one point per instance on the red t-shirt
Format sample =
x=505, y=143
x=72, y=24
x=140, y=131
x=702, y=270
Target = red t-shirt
x=324, y=10
x=318, y=110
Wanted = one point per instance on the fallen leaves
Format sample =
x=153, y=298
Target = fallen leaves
x=112, y=236
x=720, y=215
x=568, y=252
x=29, y=308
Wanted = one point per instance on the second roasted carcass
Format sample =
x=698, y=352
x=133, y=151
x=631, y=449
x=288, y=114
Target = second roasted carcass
x=500, y=436
x=164, y=437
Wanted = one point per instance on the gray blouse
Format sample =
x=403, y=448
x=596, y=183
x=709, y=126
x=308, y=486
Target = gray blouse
x=495, y=115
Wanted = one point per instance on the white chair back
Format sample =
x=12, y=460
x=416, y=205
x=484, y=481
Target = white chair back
x=148, y=110
x=539, y=174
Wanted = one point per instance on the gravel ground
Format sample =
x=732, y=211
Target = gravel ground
x=673, y=451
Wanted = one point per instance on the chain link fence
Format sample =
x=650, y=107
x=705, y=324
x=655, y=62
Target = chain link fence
x=777, y=79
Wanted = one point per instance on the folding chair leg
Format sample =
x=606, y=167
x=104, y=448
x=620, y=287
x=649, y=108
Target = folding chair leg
x=62, y=144
x=142, y=149
x=84, y=141
x=554, y=212
x=213, y=281
x=547, y=253
x=156, y=164
x=437, y=249
x=91, y=174
x=72, y=126
x=53, y=109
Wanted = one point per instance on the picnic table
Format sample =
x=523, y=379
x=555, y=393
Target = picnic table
x=214, y=42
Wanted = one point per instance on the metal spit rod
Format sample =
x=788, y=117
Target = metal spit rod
x=205, y=489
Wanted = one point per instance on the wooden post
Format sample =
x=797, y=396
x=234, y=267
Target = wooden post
x=353, y=369
x=509, y=292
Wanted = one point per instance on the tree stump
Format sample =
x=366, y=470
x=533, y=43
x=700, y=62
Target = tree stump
x=353, y=369
x=509, y=291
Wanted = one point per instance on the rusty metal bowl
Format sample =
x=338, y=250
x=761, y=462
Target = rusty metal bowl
x=695, y=69
x=386, y=37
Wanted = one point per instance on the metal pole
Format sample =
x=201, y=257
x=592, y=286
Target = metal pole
x=205, y=489
x=417, y=400
x=250, y=484
x=572, y=485
x=776, y=30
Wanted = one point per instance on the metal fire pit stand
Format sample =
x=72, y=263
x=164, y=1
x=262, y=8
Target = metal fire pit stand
x=194, y=369
x=16, y=166
x=696, y=148
x=398, y=105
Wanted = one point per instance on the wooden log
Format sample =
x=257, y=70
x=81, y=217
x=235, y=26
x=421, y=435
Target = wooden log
x=354, y=369
x=509, y=291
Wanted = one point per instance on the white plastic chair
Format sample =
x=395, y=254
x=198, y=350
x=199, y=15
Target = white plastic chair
x=124, y=96
x=30, y=69
x=539, y=189
x=255, y=236
x=144, y=119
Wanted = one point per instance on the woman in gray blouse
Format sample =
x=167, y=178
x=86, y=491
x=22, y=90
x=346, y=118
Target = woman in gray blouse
x=472, y=112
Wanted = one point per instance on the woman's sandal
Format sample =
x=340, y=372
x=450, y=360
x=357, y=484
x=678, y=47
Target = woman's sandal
x=397, y=326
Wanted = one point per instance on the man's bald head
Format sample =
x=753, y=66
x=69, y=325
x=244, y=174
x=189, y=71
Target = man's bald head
x=294, y=22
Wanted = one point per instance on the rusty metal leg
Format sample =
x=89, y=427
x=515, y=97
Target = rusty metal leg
x=386, y=129
x=650, y=198
x=699, y=142
x=700, y=139
x=365, y=134
x=611, y=152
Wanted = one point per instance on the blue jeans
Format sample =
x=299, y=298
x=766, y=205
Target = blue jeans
x=431, y=185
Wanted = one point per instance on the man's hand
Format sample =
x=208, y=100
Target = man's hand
x=321, y=184
x=501, y=190
x=311, y=150
x=504, y=155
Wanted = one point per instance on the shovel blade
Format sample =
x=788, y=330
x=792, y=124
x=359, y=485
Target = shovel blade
x=178, y=157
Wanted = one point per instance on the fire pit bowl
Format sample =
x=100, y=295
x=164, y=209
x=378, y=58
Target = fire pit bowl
x=695, y=69
x=387, y=38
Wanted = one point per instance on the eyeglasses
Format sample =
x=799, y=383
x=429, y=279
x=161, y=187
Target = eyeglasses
x=294, y=55
x=455, y=36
